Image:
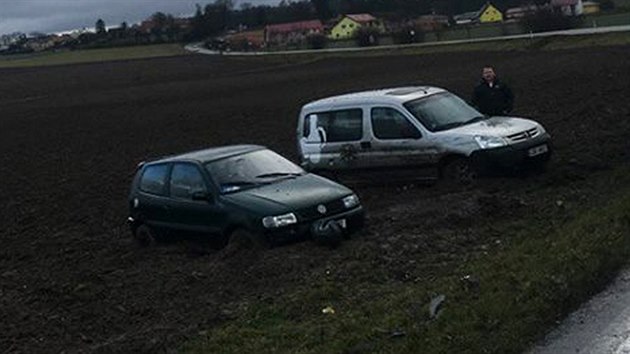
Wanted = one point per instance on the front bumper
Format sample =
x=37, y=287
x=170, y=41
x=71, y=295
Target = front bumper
x=353, y=220
x=512, y=156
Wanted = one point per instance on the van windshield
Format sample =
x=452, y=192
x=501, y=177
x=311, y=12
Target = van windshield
x=443, y=111
x=251, y=170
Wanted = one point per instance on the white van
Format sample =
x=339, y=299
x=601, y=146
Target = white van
x=409, y=128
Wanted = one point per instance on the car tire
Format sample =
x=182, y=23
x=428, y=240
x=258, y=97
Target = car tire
x=144, y=236
x=458, y=171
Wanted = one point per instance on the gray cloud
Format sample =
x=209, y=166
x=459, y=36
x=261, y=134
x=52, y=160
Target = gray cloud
x=59, y=15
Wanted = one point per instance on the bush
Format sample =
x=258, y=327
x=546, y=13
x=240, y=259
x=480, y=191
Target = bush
x=545, y=20
x=408, y=35
x=367, y=36
x=316, y=41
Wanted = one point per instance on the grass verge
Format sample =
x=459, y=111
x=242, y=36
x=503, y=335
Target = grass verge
x=515, y=292
x=91, y=55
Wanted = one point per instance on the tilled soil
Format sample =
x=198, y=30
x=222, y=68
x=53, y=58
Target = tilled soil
x=70, y=136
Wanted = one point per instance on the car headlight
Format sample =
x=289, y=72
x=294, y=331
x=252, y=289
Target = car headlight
x=350, y=201
x=490, y=142
x=272, y=222
x=541, y=129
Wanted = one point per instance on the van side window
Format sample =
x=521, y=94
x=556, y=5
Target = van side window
x=334, y=126
x=388, y=123
x=153, y=179
x=185, y=180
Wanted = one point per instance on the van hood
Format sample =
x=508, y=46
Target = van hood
x=495, y=126
x=289, y=195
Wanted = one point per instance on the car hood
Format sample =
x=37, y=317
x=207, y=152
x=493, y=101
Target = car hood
x=289, y=195
x=495, y=126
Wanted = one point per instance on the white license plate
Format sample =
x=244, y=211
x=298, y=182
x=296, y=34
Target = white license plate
x=535, y=151
x=342, y=223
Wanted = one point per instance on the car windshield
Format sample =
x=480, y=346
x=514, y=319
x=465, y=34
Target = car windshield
x=251, y=170
x=443, y=111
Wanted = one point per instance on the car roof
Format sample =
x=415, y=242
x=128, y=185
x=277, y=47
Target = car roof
x=396, y=95
x=211, y=154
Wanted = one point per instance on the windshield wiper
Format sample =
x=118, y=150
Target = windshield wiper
x=475, y=119
x=450, y=125
x=459, y=124
x=279, y=174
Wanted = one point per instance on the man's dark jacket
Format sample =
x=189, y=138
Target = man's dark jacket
x=494, y=101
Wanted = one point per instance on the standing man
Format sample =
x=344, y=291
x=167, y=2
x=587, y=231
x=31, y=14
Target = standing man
x=492, y=97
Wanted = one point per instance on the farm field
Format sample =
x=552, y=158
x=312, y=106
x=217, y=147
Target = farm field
x=71, y=136
x=90, y=55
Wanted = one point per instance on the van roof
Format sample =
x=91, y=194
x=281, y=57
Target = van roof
x=382, y=96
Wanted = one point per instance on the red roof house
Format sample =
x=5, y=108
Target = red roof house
x=292, y=32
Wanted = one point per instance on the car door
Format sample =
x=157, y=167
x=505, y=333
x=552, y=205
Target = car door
x=398, y=145
x=192, y=205
x=335, y=139
x=150, y=204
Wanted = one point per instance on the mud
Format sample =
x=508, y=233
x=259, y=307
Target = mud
x=71, y=136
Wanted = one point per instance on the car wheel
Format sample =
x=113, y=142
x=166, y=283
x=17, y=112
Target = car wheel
x=459, y=171
x=243, y=239
x=144, y=236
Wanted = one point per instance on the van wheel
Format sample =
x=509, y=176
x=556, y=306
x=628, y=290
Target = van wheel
x=144, y=236
x=538, y=167
x=242, y=239
x=458, y=170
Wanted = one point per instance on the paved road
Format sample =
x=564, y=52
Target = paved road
x=196, y=47
x=600, y=326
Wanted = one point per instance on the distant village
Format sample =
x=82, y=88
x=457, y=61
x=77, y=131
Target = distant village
x=366, y=28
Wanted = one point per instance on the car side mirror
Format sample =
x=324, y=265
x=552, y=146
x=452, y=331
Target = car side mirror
x=201, y=196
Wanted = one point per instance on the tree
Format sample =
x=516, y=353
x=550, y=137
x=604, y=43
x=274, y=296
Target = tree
x=545, y=20
x=316, y=41
x=322, y=8
x=198, y=31
x=367, y=36
x=100, y=26
x=607, y=5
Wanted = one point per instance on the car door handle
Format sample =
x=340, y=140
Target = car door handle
x=366, y=145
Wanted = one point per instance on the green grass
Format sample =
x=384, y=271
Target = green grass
x=90, y=55
x=540, y=273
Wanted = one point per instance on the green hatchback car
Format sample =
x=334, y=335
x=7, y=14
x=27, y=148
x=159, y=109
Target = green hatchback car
x=241, y=194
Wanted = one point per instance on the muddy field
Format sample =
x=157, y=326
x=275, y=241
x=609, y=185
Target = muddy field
x=70, y=138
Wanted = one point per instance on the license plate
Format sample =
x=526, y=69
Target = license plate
x=535, y=151
x=342, y=223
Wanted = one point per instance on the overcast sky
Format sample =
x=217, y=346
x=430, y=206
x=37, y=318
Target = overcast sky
x=59, y=15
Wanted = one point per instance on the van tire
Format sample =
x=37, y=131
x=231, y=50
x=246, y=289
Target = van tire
x=458, y=170
x=144, y=236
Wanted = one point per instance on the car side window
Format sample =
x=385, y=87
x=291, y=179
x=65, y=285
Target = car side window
x=153, y=179
x=388, y=123
x=186, y=179
x=334, y=126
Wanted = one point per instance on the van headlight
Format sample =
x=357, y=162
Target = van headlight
x=490, y=142
x=350, y=201
x=272, y=222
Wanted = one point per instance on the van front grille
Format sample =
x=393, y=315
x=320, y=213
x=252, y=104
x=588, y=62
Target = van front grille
x=524, y=135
